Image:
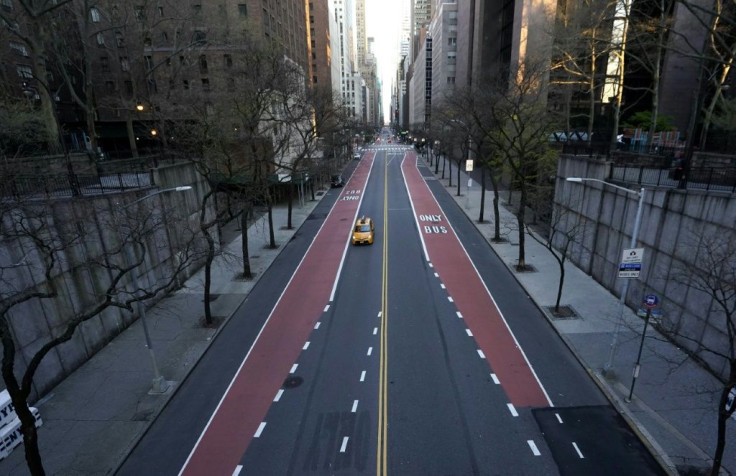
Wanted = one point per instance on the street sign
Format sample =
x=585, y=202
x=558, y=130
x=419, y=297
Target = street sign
x=633, y=255
x=469, y=165
x=630, y=266
x=650, y=301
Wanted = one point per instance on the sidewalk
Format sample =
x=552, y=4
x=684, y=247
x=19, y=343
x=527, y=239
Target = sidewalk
x=93, y=418
x=674, y=405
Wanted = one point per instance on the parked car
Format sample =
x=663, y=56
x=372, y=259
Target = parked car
x=356, y=156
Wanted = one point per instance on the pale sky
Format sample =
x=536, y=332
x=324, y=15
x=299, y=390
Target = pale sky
x=383, y=22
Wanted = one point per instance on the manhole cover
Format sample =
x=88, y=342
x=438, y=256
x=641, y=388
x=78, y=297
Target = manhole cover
x=293, y=382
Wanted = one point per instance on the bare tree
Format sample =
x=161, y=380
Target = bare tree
x=521, y=137
x=713, y=277
x=40, y=241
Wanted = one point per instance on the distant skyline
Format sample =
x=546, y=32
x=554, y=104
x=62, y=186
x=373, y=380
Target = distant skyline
x=383, y=22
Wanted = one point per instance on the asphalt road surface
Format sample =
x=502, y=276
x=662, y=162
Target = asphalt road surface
x=419, y=354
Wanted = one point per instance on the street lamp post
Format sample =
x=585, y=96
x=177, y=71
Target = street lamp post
x=160, y=385
x=625, y=288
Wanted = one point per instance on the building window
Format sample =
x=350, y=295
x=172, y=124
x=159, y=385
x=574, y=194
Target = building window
x=100, y=39
x=147, y=42
x=105, y=64
x=94, y=15
x=197, y=9
x=149, y=62
x=139, y=12
x=314, y=79
x=164, y=36
x=185, y=84
x=242, y=10
x=124, y=63
x=205, y=84
x=19, y=48
x=152, y=86
x=228, y=61
x=314, y=55
x=24, y=71
x=128, y=87
x=452, y=41
x=199, y=36
x=119, y=39
x=110, y=86
x=451, y=80
x=203, y=64
x=160, y=11
x=168, y=61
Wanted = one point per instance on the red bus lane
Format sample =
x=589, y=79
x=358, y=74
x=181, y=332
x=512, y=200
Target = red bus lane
x=470, y=295
x=243, y=407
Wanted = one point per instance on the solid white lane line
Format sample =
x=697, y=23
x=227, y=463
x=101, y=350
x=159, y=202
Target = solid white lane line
x=559, y=418
x=355, y=406
x=442, y=286
x=436, y=275
x=512, y=409
x=370, y=350
x=238, y=468
x=278, y=395
x=316, y=326
x=260, y=429
x=375, y=330
x=344, y=445
x=306, y=345
x=578, y=450
x=495, y=379
x=460, y=316
x=362, y=376
x=534, y=448
x=449, y=298
x=482, y=355
x=293, y=368
x=327, y=307
x=467, y=331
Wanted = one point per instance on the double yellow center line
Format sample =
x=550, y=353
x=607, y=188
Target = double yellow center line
x=381, y=451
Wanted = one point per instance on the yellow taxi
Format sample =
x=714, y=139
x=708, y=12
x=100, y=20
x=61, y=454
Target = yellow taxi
x=363, y=231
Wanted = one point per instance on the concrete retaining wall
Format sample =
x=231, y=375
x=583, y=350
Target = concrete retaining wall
x=80, y=282
x=670, y=221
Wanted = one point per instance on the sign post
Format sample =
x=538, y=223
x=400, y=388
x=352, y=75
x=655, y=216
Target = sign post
x=650, y=302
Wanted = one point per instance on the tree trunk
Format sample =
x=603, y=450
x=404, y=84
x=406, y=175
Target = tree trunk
x=271, y=236
x=245, y=214
x=496, y=211
x=561, y=283
x=723, y=416
x=208, y=274
x=444, y=164
x=131, y=134
x=458, y=179
x=520, y=223
x=290, y=198
x=19, y=399
x=482, y=194
x=449, y=172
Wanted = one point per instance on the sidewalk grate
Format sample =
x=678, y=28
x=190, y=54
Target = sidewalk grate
x=565, y=313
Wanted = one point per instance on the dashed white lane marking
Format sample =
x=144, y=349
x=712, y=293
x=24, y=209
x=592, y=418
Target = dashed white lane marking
x=380, y=313
x=495, y=379
x=238, y=468
x=278, y=395
x=431, y=265
x=327, y=307
x=459, y=315
x=578, y=450
x=449, y=298
x=370, y=350
x=512, y=409
x=559, y=418
x=375, y=330
x=306, y=345
x=482, y=355
x=467, y=331
x=442, y=286
x=316, y=326
x=534, y=448
x=293, y=368
x=344, y=445
x=260, y=429
x=362, y=376
x=355, y=406
x=436, y=275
